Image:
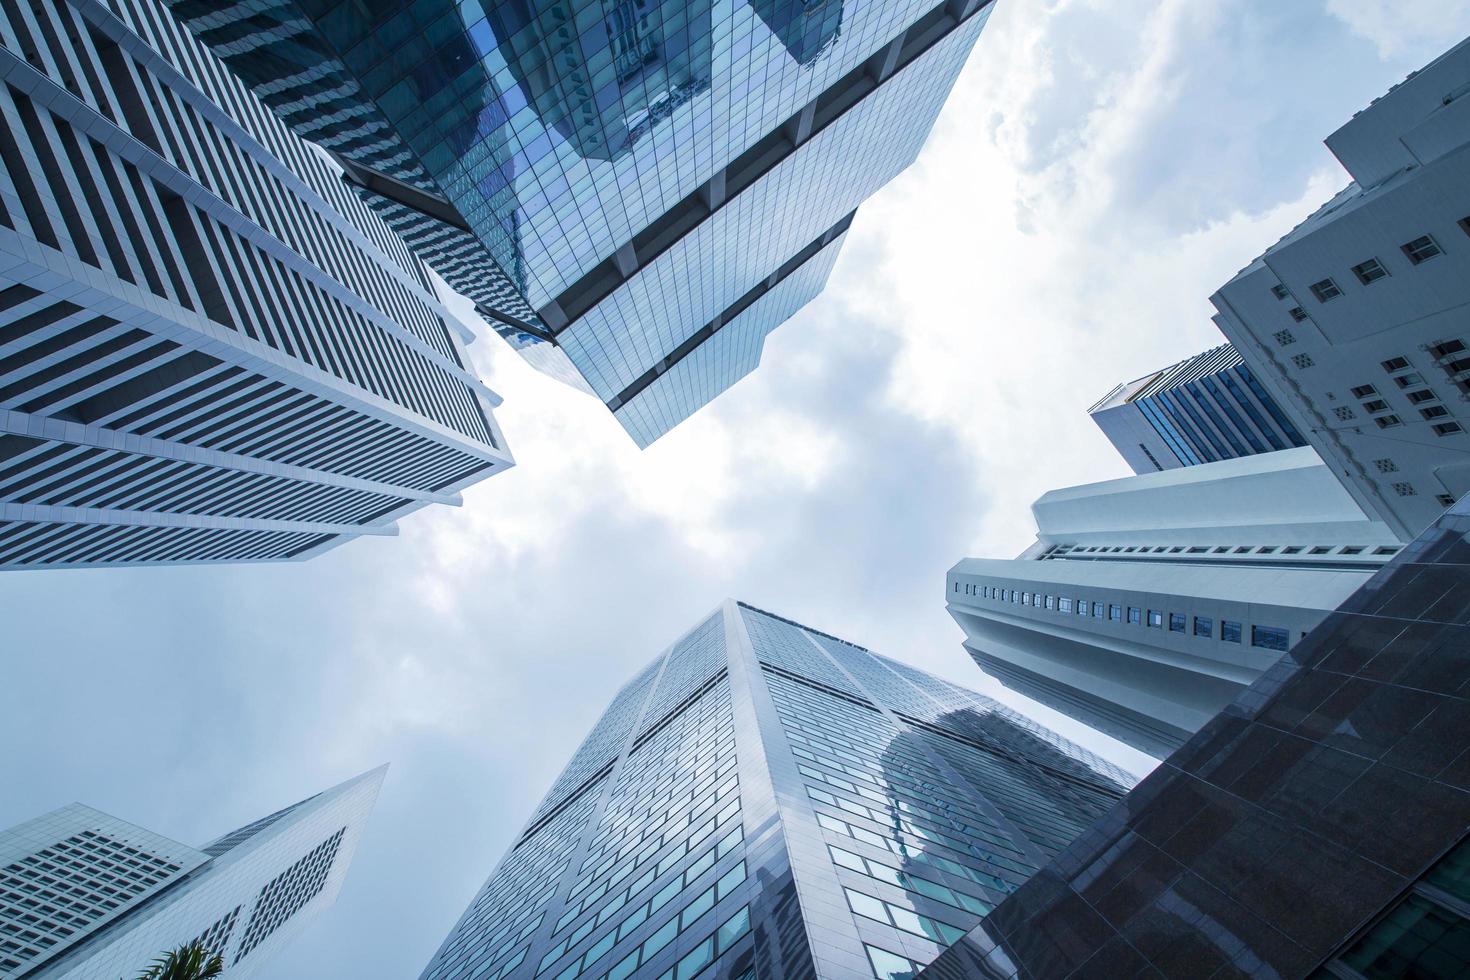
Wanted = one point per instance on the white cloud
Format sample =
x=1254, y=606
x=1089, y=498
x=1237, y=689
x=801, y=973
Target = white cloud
x=1396, y=26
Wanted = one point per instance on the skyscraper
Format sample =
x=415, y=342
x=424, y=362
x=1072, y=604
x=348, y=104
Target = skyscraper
x=86, y=896
x=1355, y=321
x=210, y=349
x=661, y=182
x=1317, y=827
x=1205, y=408
x=778, y=802
x=1149, y=603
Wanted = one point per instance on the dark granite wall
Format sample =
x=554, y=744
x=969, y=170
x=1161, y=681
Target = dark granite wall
x=1289, y=821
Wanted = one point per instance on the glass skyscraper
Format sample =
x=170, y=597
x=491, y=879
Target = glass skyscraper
x=766, y=800
x=210, y=349
x=86, y=896
x=660, y=183
x=1206, y=408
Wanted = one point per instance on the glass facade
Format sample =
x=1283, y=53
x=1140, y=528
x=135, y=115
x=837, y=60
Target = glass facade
x=1205, y=408
x=1314, y=828
x=633, y=168
x=764, y=800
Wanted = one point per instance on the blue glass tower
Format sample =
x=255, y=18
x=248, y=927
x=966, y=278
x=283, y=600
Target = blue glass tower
x=765, y=800
x=658, y=183
x=1206, y=408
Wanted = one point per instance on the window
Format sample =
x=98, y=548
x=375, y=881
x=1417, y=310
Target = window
x=1422, y=395
x=1434, y=412
x=1465, y=225
x=1064, y=604
x=1097, y=610
x=1082, y=609
x=891, y=966
x=1395, y=364
x=902, y=918
x=1135, y=615
x=1420, y=249
x=1281, y=292
x=1115, y=612
x=1051, y=602
x=1388, y=421
x=1229, y=632
x=1376, y=405
x=1409, y=380
x=1177, y=622
x=1298, y=314
x=1270, y=637
x=1370, y=271
x=1204, y=626
x=1446, y=348
x=1447, y=428
x=1155, y=619
x=1325, y=290
x=1363, y=391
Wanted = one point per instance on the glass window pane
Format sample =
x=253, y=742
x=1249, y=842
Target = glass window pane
x=698, y=907
x=866, y=905
x=661, y=938
x=891, y=966
x=1452, y=872
x=730, y=879
x=1419, y=940
x=625, y=967
x=696, y=959
x=735, y=927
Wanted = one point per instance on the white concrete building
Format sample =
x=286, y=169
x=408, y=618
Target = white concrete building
x=1148, y=603
x=86, y=896
x=1358, y=322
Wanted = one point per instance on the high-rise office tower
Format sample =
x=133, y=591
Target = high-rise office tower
x=210, y=349
x=1315, y=828
x=776, y=802
x=1148, y=603
x=86, y=896
x=1356, y=320
x=659, y=183
x=1206, y=408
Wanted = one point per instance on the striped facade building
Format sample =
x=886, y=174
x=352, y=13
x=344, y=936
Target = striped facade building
x=1204, y=409
x=211, y=348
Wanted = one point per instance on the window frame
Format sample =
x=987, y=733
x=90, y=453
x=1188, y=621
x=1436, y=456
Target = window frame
x=1417, y=255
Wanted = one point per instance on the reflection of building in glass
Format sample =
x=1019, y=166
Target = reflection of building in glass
x=602, y=72
x=662, y=183
x=766, y=796
x=1316, y=827
x=805, y=27
x=84, y=895
x=300, y=73
x=212, y=350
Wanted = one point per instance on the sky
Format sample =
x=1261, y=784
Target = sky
x=1101, y=167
